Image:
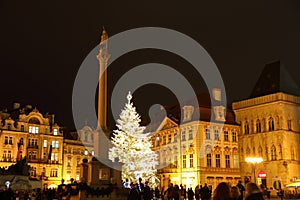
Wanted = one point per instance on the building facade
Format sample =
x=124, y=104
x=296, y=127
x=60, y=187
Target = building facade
x=269, y=129
x=198, y=151
x=25, y=132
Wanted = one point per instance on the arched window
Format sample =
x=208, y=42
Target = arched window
x=246, y=128
x=271, y=124
x=273, y=152
x=258, y=126
x=260, y=151
x=34, y=120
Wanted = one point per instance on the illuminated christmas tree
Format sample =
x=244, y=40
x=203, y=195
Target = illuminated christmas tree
x=132, y=147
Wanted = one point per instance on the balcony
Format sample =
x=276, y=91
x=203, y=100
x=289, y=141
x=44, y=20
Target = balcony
x=7, y=160
x=32, y=146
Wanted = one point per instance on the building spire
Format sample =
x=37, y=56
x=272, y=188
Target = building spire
x=104, y=35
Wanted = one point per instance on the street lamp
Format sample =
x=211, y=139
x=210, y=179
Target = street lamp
x=254, y=161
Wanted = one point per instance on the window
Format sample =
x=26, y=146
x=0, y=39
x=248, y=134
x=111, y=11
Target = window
x=258, y=126
x=227, y=161
x=175, y=162
x=218, y=161
x=77, y=161
x=93, y=152
x=4, y=154
x=190, y=134
x=46, y=131
x=183, y=135
x=207, y=134
x=169, y=138
x=235, y=161
x=260, y=151
x=29, y=155
x=271, y=124
x=33, y=129
x=34, y=155
x=9, y=126
x=86, y=152
x=184, y=161
x=69, y=161
x=54, y=156
x=226, y=136
x=10, y=140
x=77, y=176
x=55, y=144
x=55, y=131
x=191, y=160
x=164, y=139
x=54, y=173
x=44, y=156
x=21, y=141
x=208, y=160
x=234, y=137
x=9, y=155
x=22, y=128
x=45, y=143
x=246, y=128
x=273, y=153
x=216, y=134
x=248, y=151
x=6, y=140
x=33, y=171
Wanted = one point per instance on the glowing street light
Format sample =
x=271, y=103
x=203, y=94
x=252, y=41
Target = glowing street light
x=254, y=161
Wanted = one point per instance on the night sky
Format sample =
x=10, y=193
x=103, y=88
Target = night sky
x=43, y=44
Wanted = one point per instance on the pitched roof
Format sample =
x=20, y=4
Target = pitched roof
x=275, y=78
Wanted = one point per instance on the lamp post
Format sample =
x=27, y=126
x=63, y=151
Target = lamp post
x=254, y=161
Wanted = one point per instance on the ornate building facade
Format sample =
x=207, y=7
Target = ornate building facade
x=269, y=128
x=26, y=132
x=198, y=151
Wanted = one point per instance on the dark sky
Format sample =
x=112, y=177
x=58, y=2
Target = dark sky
x=42, y=44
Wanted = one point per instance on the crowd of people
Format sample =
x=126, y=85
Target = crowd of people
x=223, y=191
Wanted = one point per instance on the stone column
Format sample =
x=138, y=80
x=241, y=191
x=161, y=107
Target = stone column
x=93, y=175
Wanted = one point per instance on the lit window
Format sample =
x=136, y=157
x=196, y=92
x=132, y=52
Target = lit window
x=33, y=129
x=55, y=132
x=77, y=177
x=216, y=134
x=235, y=161
x=55, y=144
x=93, y=152
x=45, y=143
x=86, y=152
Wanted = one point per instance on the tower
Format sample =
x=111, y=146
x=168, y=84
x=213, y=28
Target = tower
x=103, y=57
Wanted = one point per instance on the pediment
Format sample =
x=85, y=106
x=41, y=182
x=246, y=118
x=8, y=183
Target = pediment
x=167, y=123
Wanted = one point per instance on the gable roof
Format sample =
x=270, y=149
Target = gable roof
x=275, y=78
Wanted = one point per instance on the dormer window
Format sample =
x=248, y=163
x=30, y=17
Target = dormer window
x=55, y=131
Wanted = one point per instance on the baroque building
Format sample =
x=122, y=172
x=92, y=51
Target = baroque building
x=26, y=132
x=269, y=128
x=199, y=150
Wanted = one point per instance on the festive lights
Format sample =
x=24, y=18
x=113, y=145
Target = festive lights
x=132, y=147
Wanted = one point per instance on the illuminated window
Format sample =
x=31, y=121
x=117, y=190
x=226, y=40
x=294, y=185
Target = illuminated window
x=226, y=136
x=208, y=160
x=234, y=137
x=86, y=152
x=207, y=134
x=227, y=161
x=55, y=131
x=235, y=161
x=184, y=161
x=55, y=144
x=33, y=129
x=191, y=160
x=218, y=161
x=45, y=143
x=93, y=152
x=54, y=156
x=77, y=177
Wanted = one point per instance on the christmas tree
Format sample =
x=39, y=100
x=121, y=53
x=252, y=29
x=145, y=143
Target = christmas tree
x=132, y=147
